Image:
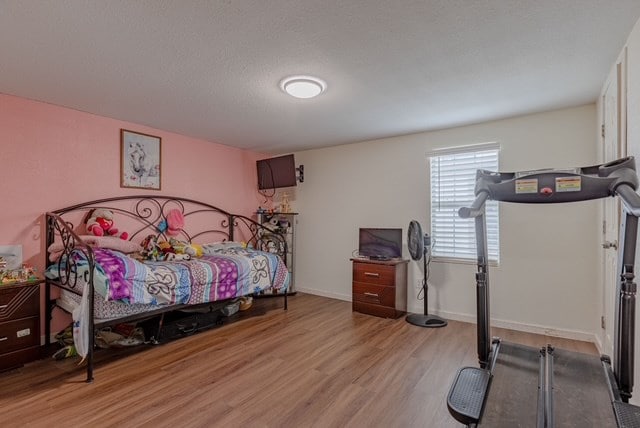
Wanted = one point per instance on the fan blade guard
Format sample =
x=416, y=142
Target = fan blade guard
x=415, y=240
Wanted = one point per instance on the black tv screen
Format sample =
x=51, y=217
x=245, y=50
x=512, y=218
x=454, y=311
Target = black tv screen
x=380, y=243
x=276, y=172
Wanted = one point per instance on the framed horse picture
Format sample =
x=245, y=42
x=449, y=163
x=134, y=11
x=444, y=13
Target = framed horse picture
x=140, y=160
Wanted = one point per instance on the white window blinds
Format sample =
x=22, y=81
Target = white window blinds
x=453, y=179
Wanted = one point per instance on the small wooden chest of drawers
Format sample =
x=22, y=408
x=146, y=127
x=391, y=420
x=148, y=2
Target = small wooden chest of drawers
x=19, y=324
x=380, y=287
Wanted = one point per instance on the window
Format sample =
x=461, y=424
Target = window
x=453, y=179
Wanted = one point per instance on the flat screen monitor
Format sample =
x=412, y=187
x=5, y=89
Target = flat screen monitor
x=380, y=243
x=276, y=172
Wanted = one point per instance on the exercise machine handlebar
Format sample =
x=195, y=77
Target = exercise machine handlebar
x=558, y=185
x=628, y=195
x=630, y=198
x=476, y=208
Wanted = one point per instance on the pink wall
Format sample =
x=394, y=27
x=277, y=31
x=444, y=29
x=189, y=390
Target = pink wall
x=52, y=157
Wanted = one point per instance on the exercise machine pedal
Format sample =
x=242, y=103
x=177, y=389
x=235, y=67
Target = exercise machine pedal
x=467, y=394
x=627, y=415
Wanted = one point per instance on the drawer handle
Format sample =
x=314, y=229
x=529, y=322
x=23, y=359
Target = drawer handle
x=371, y=294
x=2, y=339
x=376, y=275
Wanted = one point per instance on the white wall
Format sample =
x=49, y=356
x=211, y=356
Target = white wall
x=633, y=92
x=633, y=149
x=548, y=276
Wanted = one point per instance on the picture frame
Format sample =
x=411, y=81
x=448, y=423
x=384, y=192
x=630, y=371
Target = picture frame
x=140, y=160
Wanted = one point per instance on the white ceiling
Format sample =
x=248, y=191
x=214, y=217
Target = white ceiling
x=210, y=69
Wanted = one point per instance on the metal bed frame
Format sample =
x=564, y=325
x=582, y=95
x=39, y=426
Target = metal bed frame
x=141, y=215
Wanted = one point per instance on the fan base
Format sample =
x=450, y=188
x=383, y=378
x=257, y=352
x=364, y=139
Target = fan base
x=430, y=321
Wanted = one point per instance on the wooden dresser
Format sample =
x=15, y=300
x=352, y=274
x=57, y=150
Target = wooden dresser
x=380, y=287
x=19, y=323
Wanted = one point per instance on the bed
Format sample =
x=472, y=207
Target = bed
x=210, y=257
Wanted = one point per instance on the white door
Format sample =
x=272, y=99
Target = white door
x=613, y=148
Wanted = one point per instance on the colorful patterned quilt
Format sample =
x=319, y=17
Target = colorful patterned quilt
x=222, y=275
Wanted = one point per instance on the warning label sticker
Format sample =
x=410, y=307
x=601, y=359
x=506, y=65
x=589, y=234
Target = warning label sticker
x=529, y=185
x=568, y=184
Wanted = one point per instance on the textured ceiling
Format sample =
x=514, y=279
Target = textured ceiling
x=210, y=69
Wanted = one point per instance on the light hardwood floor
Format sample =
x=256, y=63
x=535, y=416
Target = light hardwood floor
x=315, y=365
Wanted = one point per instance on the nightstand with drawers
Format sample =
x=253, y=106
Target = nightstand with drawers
x=19, y=323
x=380, y=287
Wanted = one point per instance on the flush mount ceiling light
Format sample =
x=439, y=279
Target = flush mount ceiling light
x=303, y=86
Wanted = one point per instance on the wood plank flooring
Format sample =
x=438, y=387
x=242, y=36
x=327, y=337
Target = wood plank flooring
x=315, y=365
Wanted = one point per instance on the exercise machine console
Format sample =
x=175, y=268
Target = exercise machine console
x=516, y=385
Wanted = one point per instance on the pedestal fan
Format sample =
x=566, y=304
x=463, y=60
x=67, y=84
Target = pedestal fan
x=418, y=247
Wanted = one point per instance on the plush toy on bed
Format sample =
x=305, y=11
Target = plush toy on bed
x=173, y=223
x=157, y=249
x=100, y=223
x=171, y=251
x=183, y=247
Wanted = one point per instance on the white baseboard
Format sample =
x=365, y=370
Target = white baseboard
x=339, y=296
x=527, y=328
x=511, y=325
x=599, y=345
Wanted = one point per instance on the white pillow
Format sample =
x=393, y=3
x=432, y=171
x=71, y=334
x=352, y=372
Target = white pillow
x=216, y=247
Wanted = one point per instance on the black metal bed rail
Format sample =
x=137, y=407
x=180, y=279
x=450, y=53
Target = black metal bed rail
x=74, y=250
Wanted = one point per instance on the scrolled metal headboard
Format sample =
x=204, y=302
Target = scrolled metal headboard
x=142, y=214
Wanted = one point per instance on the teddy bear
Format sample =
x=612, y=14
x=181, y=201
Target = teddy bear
x=100, y=223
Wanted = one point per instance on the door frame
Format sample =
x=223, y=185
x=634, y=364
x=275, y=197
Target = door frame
x=617, y=75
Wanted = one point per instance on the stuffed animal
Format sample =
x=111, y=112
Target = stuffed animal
x=273, y=224
x=153, y=248
x=100, y=223
x=173, y=223
x=175, y=250
x=198, y=250
x=165, y=247
x=186, y=249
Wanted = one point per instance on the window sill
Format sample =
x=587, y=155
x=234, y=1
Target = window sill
x=458, y=261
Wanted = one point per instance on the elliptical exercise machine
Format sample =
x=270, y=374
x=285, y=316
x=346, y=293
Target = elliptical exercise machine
x=516, y=384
